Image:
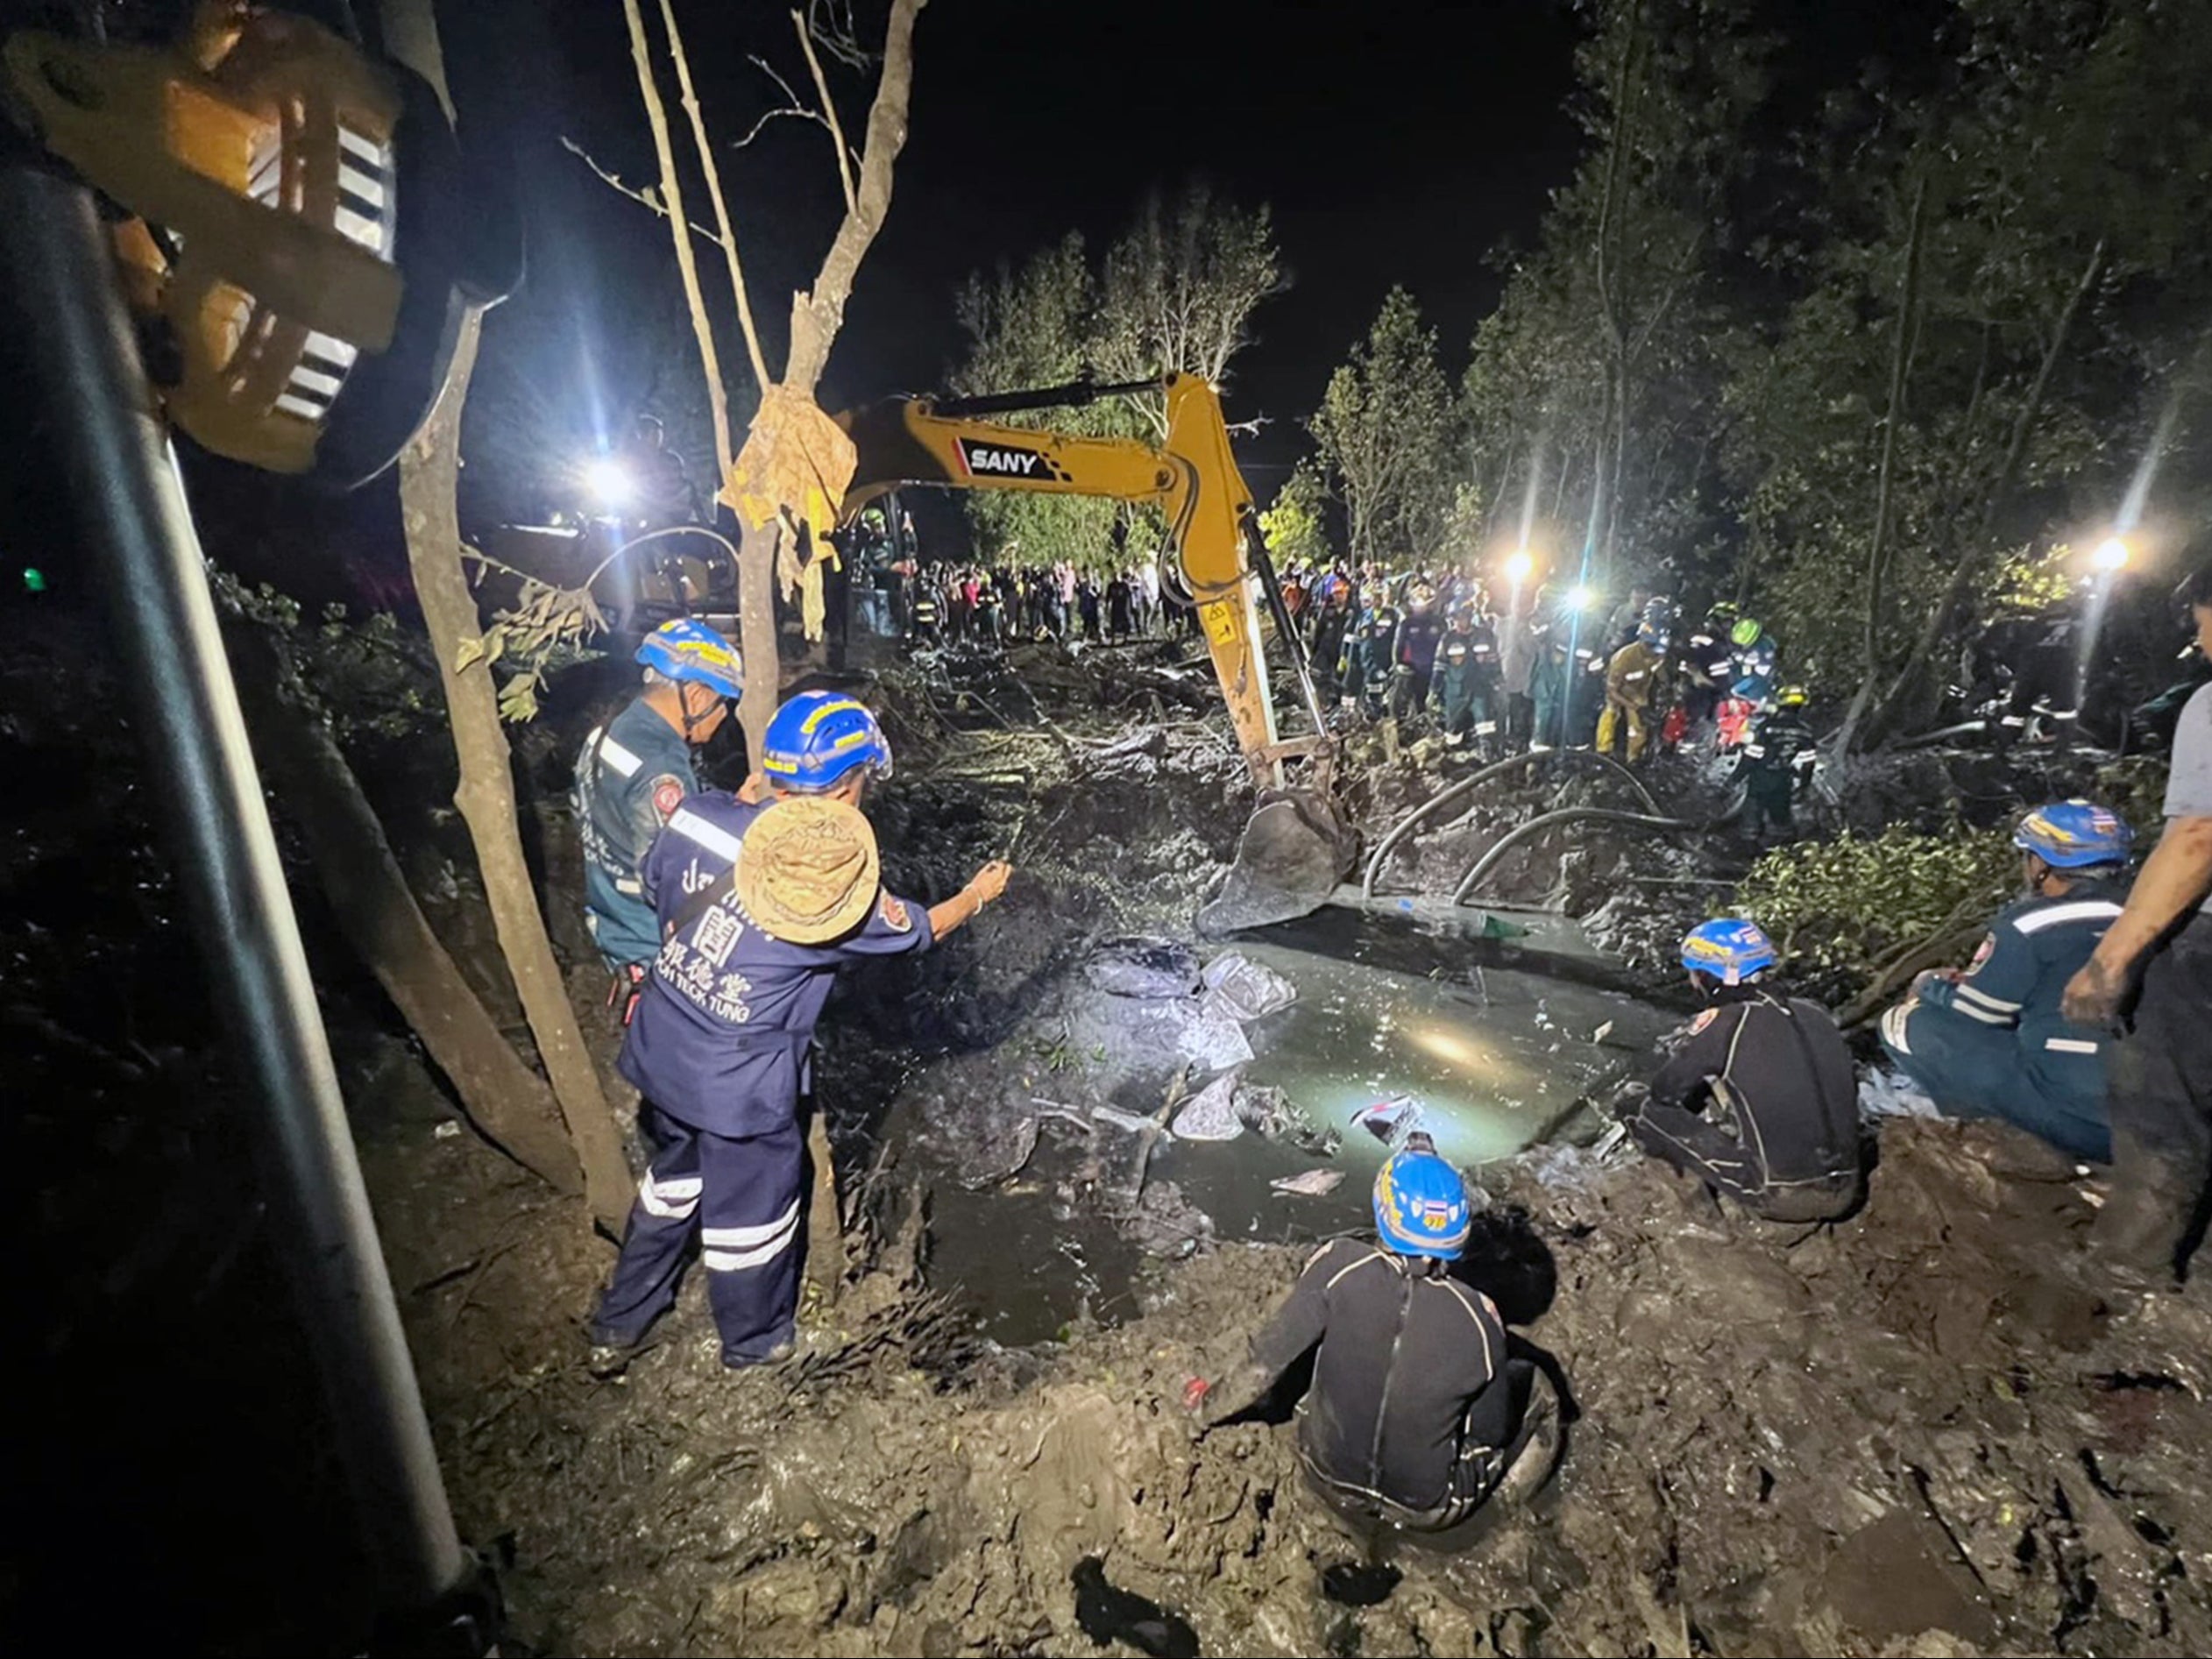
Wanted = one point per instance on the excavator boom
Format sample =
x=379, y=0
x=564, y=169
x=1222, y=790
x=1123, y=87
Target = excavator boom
x=1294, y=849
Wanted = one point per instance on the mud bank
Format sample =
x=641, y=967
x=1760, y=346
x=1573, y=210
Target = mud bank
x=1909, y=1434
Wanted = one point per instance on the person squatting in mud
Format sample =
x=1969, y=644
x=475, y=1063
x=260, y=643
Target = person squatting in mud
x=1418, y=1415
x=762, y=897
x=1759, y=1100
x=632, y=774
x=1991, y=1041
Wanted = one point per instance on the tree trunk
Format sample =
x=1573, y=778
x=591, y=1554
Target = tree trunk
x=430, y=469
x=756, y=633
x=1878, y=554
x=1924, y=651
x=369, y=896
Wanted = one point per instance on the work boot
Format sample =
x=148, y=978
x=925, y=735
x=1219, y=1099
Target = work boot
x=607, y=1361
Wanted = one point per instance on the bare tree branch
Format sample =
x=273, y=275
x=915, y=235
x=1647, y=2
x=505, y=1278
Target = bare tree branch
x=791, y=106
x=718, y=399
x=829, y=111
x=722, y=216
x=818, y=314
x=645, y=199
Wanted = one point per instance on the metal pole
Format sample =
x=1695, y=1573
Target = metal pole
x=58, y=283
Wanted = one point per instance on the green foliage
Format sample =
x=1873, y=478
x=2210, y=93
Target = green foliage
x=1293, y=526
x=545, y=629
x=373, y=678
x=1173, y=293
x=1836, y=909
x=1386, y=429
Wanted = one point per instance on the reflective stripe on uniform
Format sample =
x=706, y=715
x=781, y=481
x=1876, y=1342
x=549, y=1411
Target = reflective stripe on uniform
x=1893, y=1024
x=624, y=884
x=672, y=1200
x=2082, y=910
x=692, y=828
x=623, y=762
x=1486, y=728
x=1981, y=1014
x=2069, y=1046
x=1996, y=1004
x=732, y=1249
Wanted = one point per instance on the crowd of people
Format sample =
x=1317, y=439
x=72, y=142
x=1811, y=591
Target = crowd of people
x=725, y=917
x=937, y=605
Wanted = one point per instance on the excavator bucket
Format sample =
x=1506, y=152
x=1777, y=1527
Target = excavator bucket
x=1293, y=853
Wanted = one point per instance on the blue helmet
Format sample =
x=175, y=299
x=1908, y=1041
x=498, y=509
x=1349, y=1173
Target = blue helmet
x=1652, y=635
x=2071, y=834
x=1729, y=948
x=685, y=650
x=817, y=738
x=1421, y=1206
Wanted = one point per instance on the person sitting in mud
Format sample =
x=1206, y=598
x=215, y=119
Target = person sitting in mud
x=1418, y=1415
x=632, y=774
x=1758, y=1102
x=1991, y=1042
x=762, y=896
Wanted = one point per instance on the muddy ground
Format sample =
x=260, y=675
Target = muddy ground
x=1917, y=1432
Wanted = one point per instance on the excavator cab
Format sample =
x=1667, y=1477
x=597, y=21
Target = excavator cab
x=1296, y=849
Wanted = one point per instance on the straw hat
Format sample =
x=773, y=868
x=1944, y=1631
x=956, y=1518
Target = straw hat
x=808, y=872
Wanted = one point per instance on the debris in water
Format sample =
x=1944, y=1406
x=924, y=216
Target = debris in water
x=1108, y=1615
x=1246, y=988
x=1314, y=1183
x=1134, y=1122
x=1164, y=1223
x=1390, y=1121
x=1212, y=1113
x=1272, y=1113
x=1602, y=1032
x=1141, y=966
x=999, y=1158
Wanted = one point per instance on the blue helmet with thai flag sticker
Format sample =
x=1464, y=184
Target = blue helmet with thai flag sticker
x=1421, y=1206
x=685, y=650
x=1729, y=948
x=2074, y=834
x=815, y=739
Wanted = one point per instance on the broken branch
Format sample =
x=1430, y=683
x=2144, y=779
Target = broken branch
x=645, y=199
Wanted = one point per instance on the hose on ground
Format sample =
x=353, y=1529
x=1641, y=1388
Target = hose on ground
x=1465, y=784
x=1497, y=850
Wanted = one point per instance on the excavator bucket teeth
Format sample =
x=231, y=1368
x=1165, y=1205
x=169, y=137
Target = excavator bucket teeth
x=1293, y=853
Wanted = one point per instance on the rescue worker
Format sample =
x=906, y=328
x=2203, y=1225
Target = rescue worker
x=1415, y=662
x=631, y=777
x=1418, y=1415
x=1516, y=669
x=924, y=615
x=1753, y=650
x=1550, y=622
x=718, y=1048
x=2045, y=689
x=2160, y=1099
x=1759, y=1101
x=665, y=495
x=1778, y=758
x=1331, y=624
x=1712, y=664
x=1991, y=1042
x=1467, y=680
x=1631, y=678
x=1732, y=720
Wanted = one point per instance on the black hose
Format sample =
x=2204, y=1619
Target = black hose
x=1496, y=768
x=1484, y=864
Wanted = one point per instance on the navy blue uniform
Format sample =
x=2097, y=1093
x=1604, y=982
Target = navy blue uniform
x=632, y=774
x=718, y=1048
x=1993, y=1044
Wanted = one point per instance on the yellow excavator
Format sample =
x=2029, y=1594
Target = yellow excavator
x=1296, y=849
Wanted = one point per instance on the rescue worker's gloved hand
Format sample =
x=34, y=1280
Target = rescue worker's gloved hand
x=1238, y=1390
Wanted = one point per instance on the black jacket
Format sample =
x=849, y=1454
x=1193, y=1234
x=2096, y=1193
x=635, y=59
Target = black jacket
x=1786, y=1113
x=1410, y=1371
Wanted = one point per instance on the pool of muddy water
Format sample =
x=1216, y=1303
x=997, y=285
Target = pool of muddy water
x=1496, y=1057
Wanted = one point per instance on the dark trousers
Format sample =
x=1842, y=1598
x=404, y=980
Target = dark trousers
x=1728, y=1163
x=1767, y=792
x=740, y=1199
x=1973, y=1070
x=2159, y=1095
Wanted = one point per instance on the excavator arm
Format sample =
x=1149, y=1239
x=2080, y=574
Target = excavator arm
x=1295, y=847
x=1191, y=479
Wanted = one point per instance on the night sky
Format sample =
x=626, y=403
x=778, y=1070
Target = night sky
x=1396, y=144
